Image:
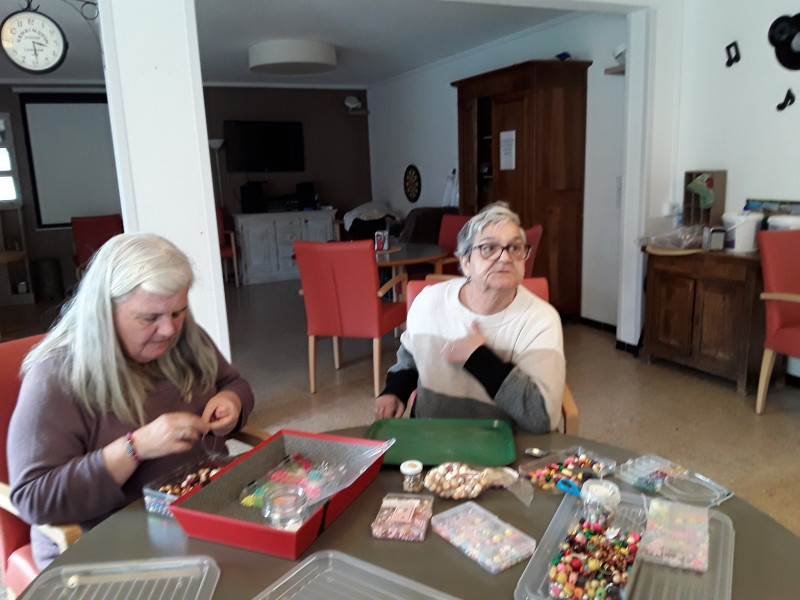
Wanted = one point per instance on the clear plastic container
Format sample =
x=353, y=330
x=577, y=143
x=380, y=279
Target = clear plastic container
x=403, y=517
x=677, y=535
x=482, y=536
x=576, y=464
x=285, y=506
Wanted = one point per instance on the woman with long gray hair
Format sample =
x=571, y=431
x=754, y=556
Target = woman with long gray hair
x=124, y=388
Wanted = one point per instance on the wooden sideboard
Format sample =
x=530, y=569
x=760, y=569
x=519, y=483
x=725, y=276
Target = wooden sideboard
x=703, y=311
x=265, y=241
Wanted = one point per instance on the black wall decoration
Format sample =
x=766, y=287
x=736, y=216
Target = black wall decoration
x=787, y=101
x=732, y=50
x=782, y=34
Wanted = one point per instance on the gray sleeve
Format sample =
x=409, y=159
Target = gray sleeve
x=53, y=478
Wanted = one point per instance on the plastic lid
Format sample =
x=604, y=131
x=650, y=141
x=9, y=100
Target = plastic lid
x=601, y=491
x=411, y=467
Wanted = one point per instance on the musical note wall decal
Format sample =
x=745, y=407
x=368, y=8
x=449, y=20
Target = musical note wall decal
x=732, y=50
x=787, y=101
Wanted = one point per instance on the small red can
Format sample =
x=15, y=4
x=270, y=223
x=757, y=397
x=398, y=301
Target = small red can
x=381, y=240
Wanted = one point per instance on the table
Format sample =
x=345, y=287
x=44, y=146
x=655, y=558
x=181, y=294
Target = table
x=412, y=254
x=764, y=558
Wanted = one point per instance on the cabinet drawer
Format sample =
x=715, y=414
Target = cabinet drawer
x=703, y=266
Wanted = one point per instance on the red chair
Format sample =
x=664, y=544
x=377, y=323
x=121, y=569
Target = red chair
x=448, y=239
x=18, y=568
x=533, y=235
x=89, y=233
x=343, y=298
x=227, y=247
x=781, y=271
x=536, y=285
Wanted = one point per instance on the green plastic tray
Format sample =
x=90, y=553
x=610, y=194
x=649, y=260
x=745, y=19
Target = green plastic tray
x=434, y=441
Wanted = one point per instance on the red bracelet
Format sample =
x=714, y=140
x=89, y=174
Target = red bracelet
x=130, y=448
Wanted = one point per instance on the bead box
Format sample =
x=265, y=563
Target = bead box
x=570, y=464
x=482, y=536
x=403, y=517
x=157, y=501
x=215, y=512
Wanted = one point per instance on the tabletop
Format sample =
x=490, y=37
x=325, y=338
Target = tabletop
x=406, y=253
x=11, y=256
x=764, y=557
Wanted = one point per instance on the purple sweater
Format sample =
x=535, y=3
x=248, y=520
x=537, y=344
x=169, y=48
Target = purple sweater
x=55, y=464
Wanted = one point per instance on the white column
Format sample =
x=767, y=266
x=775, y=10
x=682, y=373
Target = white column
x=158, y=125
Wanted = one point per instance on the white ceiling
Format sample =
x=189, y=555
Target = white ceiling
x=376, y=40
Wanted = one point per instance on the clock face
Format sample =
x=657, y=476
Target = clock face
x=33, y=41
x=411, y=183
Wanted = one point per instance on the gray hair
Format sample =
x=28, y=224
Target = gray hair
x=83, y=342
x=496, y=213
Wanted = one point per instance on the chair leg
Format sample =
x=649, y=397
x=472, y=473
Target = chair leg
x=312, y=363
x=763, y=379
x=235, y=266
x=337, y=353
x=376, y=364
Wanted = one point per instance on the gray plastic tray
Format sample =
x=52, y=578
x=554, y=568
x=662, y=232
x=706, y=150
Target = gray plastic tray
x=331, y=575
x=188, y=578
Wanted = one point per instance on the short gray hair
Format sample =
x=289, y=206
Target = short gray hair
x=493, y=214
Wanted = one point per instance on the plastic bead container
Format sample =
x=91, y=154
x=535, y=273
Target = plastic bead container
x=403, y=517
x=677, y=535
x=482, y=536
x=648, y=472
x=575, y=463
x=157, y=501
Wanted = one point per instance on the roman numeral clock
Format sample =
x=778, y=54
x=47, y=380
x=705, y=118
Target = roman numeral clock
x=33, y=41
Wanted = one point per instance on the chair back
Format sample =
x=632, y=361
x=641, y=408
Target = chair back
x=14, y=533
x=536, y=285
x=340, y=287
x=89, y=233
x=781, y=272
x=533, y=235
x=448, y=231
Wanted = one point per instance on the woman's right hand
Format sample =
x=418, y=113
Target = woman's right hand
x=170, y=433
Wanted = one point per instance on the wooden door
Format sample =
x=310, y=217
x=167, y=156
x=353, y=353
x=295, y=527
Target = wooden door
x=510, y=157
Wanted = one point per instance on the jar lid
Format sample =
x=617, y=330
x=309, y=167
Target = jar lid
x=411, y=467
x=601, y=491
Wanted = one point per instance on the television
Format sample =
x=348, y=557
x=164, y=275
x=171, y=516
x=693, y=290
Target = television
x=264, y=146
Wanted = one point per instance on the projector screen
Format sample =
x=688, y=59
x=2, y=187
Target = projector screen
x=71, y=157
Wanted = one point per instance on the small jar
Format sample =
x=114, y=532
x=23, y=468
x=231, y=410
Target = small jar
x=600, y=501
x=284, y=506
x=412, y=476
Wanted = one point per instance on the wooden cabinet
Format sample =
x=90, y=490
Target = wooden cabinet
x=522, y=139
x=266, y=240
x=703, y=311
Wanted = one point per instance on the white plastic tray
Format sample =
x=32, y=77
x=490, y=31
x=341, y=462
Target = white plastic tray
x=189, y=578
x=331, y=575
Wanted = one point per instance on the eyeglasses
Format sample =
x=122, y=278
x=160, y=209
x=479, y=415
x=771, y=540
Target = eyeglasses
x=494, y=251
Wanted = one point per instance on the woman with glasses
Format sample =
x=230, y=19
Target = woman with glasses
x=482, y=345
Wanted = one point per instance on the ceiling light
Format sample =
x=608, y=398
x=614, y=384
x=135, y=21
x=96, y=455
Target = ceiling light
x=292, y=57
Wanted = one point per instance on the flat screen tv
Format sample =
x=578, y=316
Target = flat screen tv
x=264, y=146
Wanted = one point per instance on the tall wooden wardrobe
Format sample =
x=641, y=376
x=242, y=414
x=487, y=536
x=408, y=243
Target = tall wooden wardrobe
x=522, y=139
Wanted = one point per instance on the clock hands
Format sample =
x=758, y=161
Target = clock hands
x=36, y=46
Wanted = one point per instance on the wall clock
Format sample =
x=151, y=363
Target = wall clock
x=411, y=183
x=33, y=41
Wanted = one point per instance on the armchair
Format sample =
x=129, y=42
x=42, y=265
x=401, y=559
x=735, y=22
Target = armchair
x=89, y=233
x=781, y=297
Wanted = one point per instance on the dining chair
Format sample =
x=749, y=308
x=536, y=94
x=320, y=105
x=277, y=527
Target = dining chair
x=536, y=285
x=227, y=247
x=18, y=567
x=89, y=233
x=533, y=235
x=781, y=272
x=343, y=298
x=448, y=239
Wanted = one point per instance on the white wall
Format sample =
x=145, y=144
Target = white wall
x=413, y=119
x=728, y=116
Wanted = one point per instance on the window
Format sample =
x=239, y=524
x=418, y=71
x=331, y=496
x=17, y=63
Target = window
x=9, y=177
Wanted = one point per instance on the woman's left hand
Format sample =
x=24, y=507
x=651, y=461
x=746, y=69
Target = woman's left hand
x=458, y=351
x=222, y=412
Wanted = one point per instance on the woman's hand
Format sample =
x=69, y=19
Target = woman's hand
x=389, y=406
x=458, y=351
x=222, y=413
x=170, y=433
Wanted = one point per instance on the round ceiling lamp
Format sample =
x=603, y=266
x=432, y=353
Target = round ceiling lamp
x=292, y=57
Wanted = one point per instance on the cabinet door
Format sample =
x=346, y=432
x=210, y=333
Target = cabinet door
x=259, y=252
x=287, y=231
x=318, y=228
x=510, y=154
x=669, y=314
x=718, y=326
